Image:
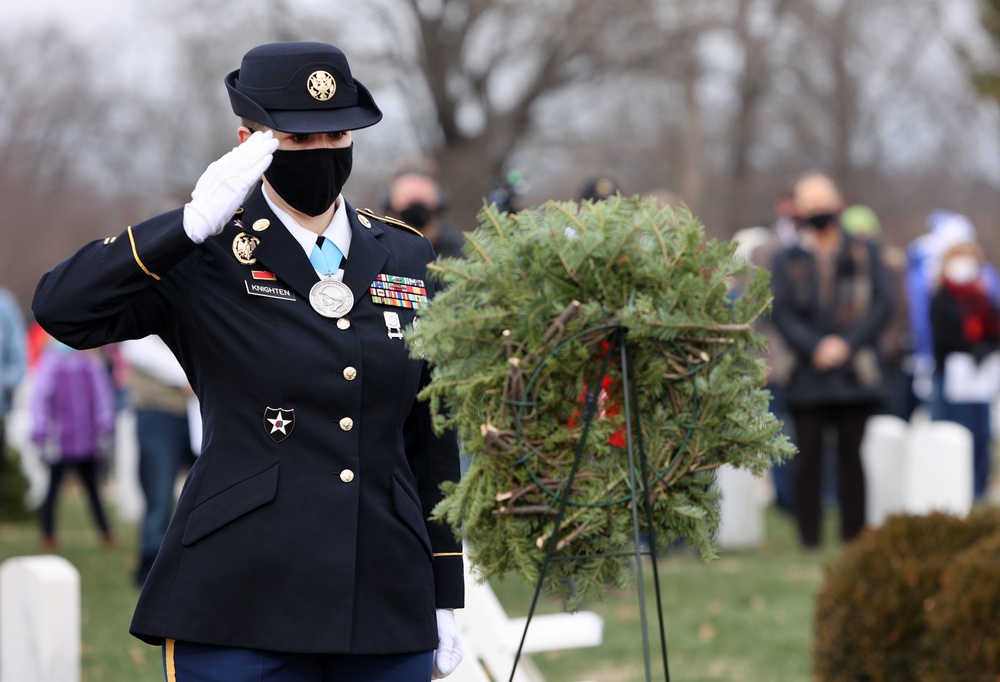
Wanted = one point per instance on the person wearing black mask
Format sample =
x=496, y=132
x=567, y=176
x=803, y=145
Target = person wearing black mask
x=832, y=299
x=319, y=468
x=415, y=194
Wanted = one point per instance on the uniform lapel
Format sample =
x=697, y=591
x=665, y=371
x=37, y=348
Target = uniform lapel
x=366, y=258
x=282, y=255
x=278, y=250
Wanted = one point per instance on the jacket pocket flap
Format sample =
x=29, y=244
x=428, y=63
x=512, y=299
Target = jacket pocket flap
x=230, y=504
x=410, y=512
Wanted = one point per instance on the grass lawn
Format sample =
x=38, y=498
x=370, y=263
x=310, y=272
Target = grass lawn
x=746, y=617
x=109, y=653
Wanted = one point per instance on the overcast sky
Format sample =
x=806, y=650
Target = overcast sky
x=125, y=14
x=98, y=13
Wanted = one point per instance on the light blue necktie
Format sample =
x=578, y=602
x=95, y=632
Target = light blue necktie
x=325, y=256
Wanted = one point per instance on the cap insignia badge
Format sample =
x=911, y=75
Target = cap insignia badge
x=243, y=247
x=321, y=85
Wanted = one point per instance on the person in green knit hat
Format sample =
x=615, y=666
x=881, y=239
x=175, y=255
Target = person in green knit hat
x=896, y=344
x=861, y=221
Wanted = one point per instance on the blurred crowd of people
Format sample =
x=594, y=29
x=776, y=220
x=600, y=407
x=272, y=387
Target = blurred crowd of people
x=861, y=327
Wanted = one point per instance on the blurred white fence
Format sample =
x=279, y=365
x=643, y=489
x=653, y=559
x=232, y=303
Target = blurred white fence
x=490, y=638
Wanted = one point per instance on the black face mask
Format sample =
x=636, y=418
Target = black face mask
x=820, y=221
x=310, y=180
x=417, y=215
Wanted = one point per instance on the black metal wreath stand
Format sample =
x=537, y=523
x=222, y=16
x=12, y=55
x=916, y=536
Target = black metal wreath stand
x=638, y=471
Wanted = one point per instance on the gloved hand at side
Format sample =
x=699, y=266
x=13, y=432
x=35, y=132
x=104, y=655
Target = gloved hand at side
x=225, y=184
x=449, y=651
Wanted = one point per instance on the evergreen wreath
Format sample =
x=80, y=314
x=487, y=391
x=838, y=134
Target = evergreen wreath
x=533, y=322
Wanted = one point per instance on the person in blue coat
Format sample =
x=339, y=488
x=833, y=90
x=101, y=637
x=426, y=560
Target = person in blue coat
x=13, y=361
x=300, y=548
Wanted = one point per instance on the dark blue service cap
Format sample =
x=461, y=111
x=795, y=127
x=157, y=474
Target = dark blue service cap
x=300, y=87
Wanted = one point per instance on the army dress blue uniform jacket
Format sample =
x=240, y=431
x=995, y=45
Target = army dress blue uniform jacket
x=313, y=539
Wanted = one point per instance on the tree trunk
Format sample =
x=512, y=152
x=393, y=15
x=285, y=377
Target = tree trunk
x=469, y=173
x=693, y=137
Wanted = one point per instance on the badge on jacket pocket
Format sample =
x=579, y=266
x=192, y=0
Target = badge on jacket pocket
x=278, y=423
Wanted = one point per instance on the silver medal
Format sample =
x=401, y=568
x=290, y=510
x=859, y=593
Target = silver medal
x=331, y=298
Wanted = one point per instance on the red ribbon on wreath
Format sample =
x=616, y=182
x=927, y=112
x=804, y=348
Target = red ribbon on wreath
x=607, y=407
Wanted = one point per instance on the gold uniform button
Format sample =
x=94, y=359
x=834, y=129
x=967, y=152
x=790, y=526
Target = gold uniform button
x=346, y=423
x=350, y=373
x=261, y=225
x=343, y=323
x=346, y=475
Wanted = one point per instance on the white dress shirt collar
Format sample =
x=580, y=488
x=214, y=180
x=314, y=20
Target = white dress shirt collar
x=338, y=231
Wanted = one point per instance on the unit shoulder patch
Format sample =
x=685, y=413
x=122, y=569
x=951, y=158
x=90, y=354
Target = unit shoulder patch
x=387, y=220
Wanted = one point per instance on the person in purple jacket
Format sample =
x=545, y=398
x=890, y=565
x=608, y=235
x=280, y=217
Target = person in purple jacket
x=72, y=419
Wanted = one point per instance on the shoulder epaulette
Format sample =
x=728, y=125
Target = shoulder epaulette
x=387, y=220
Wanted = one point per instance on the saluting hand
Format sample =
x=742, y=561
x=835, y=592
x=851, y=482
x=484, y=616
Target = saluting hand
x=224, y=185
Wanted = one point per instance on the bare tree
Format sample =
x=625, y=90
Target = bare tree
x=479, y=69
x=755, y=28
x=58, y=175
x=720, y=101
x=847, y=75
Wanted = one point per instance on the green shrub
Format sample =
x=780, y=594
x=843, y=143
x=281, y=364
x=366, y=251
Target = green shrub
x=870, y=612
x=13, y=489
x=963, y=629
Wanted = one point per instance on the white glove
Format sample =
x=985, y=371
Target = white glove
x=225, y=184
x=449, y=650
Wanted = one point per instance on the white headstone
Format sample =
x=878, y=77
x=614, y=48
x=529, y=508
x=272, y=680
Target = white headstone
x=741, y=510
x=39, y=620
x=883, y=456
x=938, y=471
